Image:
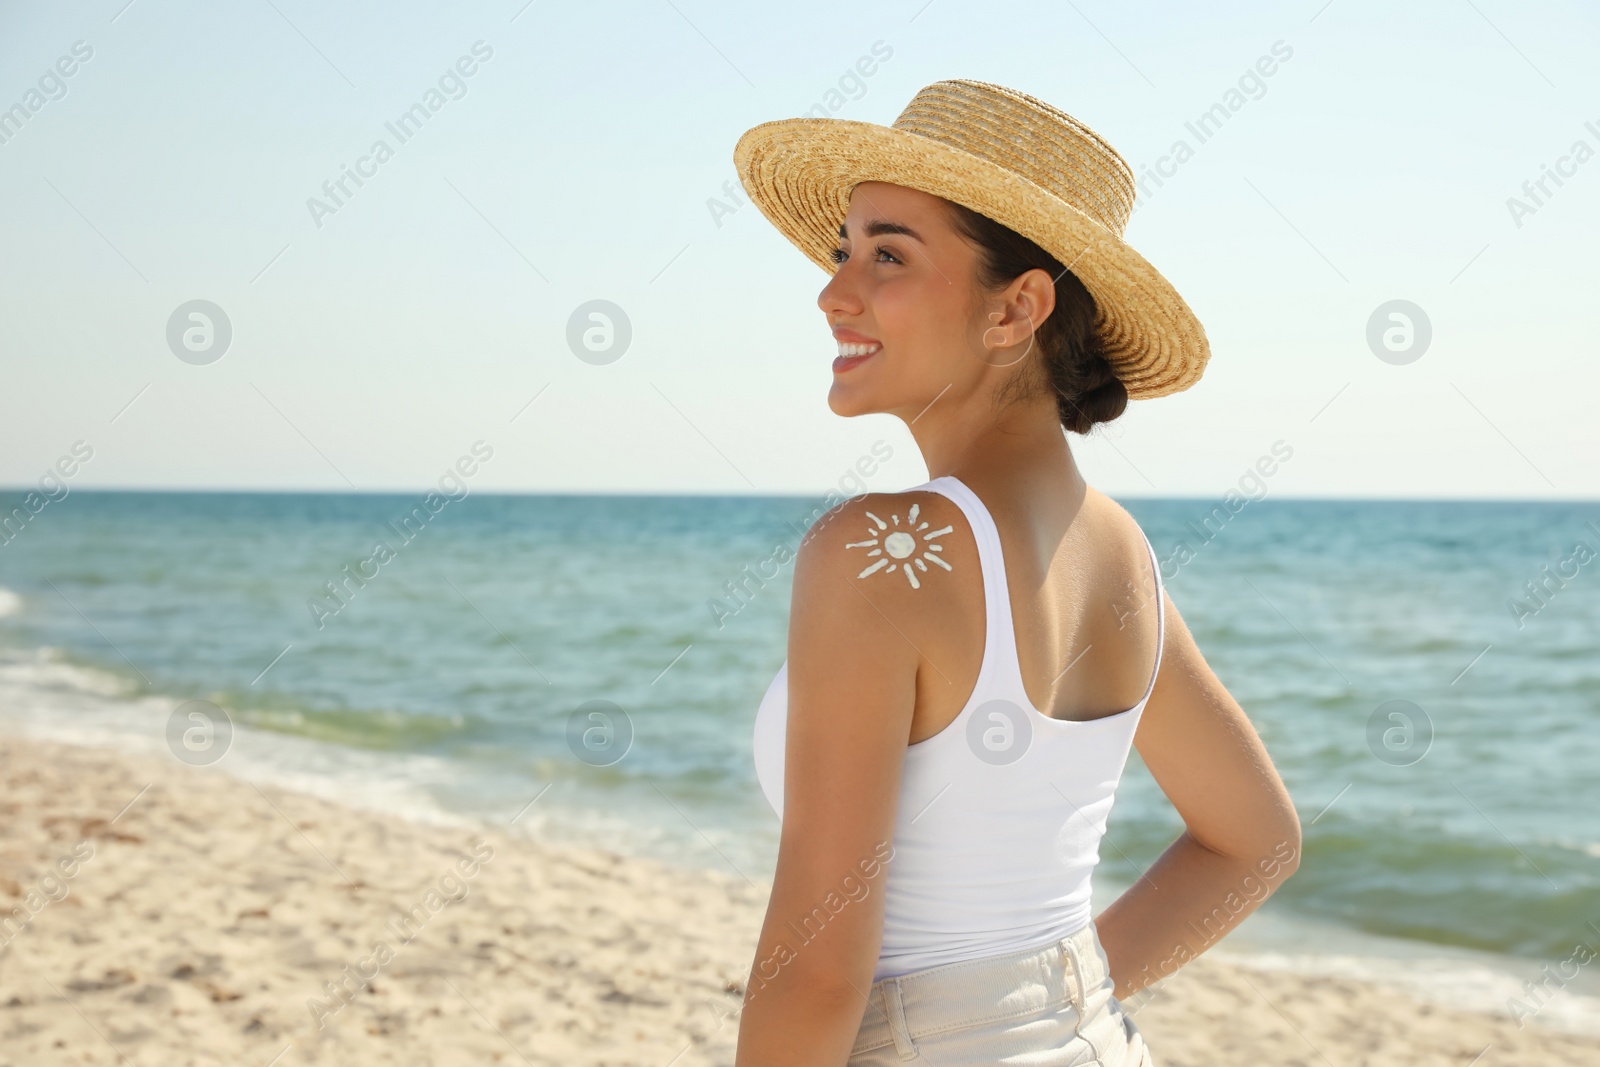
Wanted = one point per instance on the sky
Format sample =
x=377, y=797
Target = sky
x=373, y=341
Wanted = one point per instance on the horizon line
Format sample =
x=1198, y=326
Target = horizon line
x=785, y=495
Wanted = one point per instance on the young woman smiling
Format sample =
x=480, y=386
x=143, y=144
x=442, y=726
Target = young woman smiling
x=971, y=660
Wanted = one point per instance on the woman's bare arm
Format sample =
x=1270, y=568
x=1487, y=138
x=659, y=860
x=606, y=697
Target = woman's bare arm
x=852, y=690
x=1241, y=837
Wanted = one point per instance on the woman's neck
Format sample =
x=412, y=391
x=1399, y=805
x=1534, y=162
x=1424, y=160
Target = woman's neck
x=1022, y=443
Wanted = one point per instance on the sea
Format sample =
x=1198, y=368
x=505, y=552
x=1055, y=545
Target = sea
x=587, y=669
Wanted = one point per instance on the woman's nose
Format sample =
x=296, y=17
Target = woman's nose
x=839, y=297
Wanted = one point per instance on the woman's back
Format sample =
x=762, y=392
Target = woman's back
x=1001, y=805
x=1078, y=576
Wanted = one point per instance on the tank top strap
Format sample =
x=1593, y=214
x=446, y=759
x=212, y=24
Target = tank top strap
x=1000, y=648
x=1000, y=644
x=1161, y=615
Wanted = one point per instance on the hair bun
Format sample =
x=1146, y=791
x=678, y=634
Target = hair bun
x=1094, y=394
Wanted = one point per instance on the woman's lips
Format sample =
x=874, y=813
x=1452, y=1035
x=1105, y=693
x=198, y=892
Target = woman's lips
x=844, y=363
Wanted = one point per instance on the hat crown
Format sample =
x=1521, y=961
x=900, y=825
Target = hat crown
x=1029, y=137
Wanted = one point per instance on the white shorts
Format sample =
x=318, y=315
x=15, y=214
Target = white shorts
x=1047, y=1007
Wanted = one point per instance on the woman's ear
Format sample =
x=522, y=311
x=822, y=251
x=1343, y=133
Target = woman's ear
x=1036, y=295
x=1012, y=335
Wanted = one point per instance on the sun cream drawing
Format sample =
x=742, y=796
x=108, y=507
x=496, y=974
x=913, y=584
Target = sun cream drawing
x=902, y=545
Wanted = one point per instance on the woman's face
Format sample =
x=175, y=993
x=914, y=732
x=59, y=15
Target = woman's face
x=905, y=290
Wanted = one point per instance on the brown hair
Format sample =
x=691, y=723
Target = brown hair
x=1072, y=357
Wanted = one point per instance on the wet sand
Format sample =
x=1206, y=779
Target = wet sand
x=162, y=914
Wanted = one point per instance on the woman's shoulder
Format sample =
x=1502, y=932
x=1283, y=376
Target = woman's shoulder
x=1123, y=535
x=889, y=527
x=890, y=582
x=910, y=550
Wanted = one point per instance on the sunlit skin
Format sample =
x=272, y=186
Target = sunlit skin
x=913, y=290
x=883, y=664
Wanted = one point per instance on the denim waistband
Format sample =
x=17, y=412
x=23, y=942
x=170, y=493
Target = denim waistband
x=908, y=1006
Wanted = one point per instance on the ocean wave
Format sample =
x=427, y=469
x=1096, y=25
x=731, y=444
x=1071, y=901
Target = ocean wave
x=49, y=668
x=10, y=603
x=1489, y=986
x=44, y=695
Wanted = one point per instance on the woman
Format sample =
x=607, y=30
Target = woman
x=971, y=659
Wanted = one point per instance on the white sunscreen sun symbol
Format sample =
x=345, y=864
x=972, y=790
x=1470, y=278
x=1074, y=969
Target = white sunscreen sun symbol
x=902, y=545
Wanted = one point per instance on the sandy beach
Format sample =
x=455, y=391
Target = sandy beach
x=162, y=914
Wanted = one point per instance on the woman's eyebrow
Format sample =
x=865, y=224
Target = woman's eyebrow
x=879, y=227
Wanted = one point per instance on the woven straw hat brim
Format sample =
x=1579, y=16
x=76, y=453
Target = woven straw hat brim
x=800, y=173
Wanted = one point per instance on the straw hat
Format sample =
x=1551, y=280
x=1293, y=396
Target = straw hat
x=1011, y=157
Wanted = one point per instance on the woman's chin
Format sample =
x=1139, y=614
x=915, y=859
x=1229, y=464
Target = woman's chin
x=847, y=402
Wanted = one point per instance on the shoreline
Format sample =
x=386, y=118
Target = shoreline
x=254, y=922
x=47, y=692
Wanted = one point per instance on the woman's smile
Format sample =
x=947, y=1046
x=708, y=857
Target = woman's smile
x=854, y=349
x=854, y=357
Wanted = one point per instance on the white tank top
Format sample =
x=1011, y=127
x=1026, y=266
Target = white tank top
x=1000, y=813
